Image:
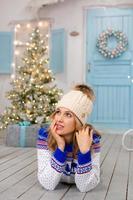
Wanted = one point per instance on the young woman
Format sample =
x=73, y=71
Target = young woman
x=69, y=150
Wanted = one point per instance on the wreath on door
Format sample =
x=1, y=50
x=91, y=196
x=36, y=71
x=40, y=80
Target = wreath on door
x=102, y=43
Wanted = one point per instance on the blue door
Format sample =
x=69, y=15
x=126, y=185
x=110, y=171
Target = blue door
x=111, y=78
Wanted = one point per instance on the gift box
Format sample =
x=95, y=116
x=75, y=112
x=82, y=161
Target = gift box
x=22, y=135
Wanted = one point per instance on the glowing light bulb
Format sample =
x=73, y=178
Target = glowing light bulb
x=15, y=42
x=13, y=76
x=13, y=64
x=18, y=26
x=40, y=24
x=28, y=25
x=16, y=52
x=15, y=29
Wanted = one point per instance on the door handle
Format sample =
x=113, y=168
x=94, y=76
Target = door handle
x=89, y=67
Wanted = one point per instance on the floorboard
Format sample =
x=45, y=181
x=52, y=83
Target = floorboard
x=18, y=174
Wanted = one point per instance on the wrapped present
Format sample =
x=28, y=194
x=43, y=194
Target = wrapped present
x=12, y=135
x=23, y=134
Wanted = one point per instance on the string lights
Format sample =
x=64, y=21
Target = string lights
x=34, y=93
x=20, y=42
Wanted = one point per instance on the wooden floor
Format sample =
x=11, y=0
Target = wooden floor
x=18, y=175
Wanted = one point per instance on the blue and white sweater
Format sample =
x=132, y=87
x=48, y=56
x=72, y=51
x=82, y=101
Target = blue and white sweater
x=57, y=166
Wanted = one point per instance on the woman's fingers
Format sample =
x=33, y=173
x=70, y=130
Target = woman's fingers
x=91, y=135
x=85, y=130
x=77, y=133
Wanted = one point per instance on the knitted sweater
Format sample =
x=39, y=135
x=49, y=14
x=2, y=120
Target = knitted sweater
x=57, y=166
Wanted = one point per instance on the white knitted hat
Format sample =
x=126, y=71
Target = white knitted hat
x=78, y=103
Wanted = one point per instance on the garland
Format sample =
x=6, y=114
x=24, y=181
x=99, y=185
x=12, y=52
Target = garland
x=102, y=43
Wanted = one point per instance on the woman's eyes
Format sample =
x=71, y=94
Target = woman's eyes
x=57, y=112
x=67, y=114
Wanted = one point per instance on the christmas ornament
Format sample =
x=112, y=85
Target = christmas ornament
x=102, y=43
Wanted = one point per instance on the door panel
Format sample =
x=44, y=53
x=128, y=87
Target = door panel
x=112, y=79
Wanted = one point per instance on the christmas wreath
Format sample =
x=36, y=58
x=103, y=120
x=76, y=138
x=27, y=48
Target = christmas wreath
x=102, y=43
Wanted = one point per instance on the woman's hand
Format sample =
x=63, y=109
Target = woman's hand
x=59, y=139
x=84, y=139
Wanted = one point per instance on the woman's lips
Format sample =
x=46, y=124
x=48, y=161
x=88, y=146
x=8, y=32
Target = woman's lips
x=59, y=127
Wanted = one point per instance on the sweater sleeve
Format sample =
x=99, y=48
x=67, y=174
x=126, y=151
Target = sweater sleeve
x=50, y=165
x=88, y=170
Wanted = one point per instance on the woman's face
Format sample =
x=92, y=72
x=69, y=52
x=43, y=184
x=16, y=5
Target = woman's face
x=64, y=121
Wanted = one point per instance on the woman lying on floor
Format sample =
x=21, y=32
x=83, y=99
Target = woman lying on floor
x=69, y=150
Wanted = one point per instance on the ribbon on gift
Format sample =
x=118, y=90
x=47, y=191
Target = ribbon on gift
x=22, y=135
x=24, y=123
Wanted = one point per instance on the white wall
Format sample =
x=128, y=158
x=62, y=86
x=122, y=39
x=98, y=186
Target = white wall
x=68, y=15
x=13, y=10
x=10, y=11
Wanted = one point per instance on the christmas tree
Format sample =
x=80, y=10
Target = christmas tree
x=34, y=94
